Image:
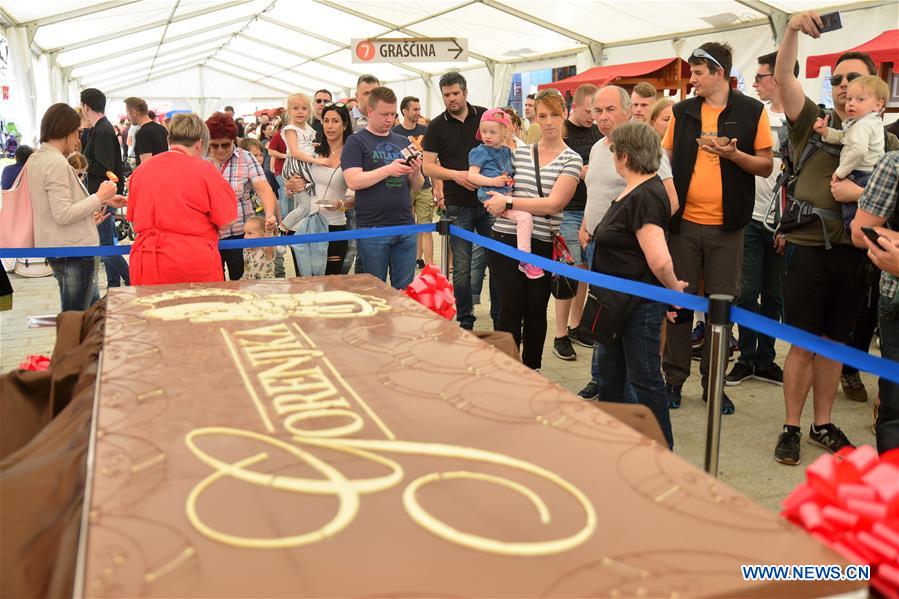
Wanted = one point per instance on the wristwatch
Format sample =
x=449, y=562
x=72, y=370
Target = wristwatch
x=508, y=203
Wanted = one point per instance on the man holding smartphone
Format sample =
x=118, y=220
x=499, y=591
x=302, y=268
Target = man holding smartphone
x=822, y=287
x=877, y=207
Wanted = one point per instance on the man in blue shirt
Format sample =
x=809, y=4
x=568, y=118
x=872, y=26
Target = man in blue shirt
x=374, y=168
x=11, y=171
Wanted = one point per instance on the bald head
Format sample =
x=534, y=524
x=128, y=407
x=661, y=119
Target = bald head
x=611, y=107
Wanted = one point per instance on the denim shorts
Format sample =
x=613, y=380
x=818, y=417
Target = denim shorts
x=571, y=224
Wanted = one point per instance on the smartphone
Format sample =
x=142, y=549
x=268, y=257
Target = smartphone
x=871, y=234
x=831, y=22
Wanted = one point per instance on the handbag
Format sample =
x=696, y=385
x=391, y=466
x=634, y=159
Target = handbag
x=561, y=287
x=17, y=215
x=605, y=313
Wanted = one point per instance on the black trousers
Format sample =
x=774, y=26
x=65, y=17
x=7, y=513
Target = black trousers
x=233, y=259
x=867, y=318
x=336, y=252
x=522, y=301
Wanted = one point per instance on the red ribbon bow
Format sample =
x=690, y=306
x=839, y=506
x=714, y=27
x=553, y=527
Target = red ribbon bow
x=850, y=502
x=35, y=362
x=433, y=291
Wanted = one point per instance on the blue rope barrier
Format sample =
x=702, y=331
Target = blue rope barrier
x=838, y=352
x=835, y=351
x=230, y=244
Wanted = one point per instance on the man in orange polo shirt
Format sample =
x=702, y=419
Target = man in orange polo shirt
x=718, y=141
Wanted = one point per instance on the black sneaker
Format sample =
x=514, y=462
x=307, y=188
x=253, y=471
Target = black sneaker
x=573, y=335
x=770, y=374
x=828, y=436
x=562, y=349
x=727, y=406
x=787, y=449
x=739, y=373
x=420, y=264
x=673, y=395
x=590, y=391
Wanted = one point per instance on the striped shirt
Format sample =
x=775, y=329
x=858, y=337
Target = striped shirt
x=240, y=170
x=566, y=163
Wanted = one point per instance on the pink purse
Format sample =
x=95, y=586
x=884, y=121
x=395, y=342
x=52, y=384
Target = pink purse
x=16, y=215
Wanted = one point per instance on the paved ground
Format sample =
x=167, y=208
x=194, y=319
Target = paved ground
x=747, y=439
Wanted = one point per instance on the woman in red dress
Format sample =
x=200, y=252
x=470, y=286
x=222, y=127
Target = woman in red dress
x=177, y=203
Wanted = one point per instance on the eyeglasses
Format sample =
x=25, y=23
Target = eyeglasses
x=700, y=53
x=759, y=77
x=838, y=79
x=321, y=100
x=226, y=146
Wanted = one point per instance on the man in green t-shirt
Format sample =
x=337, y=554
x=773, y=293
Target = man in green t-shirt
x=822, y=287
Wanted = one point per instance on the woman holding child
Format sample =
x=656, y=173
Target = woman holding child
x=178, y=203
x=546, y=175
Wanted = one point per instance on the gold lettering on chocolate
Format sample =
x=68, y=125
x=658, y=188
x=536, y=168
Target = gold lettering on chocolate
x=221, y=305
x=303, y=388
x=169, y=567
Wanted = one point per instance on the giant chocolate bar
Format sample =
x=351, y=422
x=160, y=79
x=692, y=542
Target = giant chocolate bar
x=331, y=437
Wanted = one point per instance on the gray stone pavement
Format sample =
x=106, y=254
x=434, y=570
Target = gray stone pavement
x=747, y=438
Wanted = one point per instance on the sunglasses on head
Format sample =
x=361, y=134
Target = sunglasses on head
x=838, y=79
x=700, y=53
x=337, y=104
x=226, y=146
x=547, y=92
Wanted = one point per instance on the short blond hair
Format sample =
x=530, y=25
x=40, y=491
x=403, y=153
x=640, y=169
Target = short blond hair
x=658, y=107
x=187, y=129
x=873, y=85
x=646, y=90
x=584, y=91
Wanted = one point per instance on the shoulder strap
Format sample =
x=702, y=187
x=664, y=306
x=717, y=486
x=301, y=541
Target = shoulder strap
x=537, y=171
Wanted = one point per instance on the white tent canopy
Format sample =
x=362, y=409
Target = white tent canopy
x=207, y=53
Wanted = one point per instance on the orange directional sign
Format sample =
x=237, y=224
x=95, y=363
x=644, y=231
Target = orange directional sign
x=444, y=49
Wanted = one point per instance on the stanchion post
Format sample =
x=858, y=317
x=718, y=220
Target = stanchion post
x=718, y=321
x=443, y=228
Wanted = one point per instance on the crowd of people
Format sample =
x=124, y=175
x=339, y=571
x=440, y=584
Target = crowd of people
x=628, y=183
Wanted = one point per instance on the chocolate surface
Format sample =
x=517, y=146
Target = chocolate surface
x=331, y=437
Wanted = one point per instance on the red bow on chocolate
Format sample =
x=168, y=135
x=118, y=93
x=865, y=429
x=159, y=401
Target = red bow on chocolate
x=433, y=291
x=35, y=362
x=850, y=502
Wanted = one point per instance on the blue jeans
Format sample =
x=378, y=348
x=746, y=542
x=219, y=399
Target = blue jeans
x=888, y=417
x=395, y=253
x=465, y=267
x=285, y=200
x=634, y=361
x=116, y=266
x=571, y=224
x=77, y=279
x=762, y=275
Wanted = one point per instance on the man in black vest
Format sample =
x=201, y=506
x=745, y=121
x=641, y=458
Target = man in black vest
x=718, y=141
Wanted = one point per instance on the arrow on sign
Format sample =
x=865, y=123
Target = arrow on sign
x=458, y=49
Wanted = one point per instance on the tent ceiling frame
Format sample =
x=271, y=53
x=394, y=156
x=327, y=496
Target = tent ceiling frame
x=152, y=25
x=252, y=20
x=284, y=82
x=113, y=79
x=583, y=39
x=176, y=38
x=140, y=66
x=80, y=12
x=287, y=71
x=131, y=82
x=164, y=31
x=777, y=18
x=141, y=62
x=242, y=78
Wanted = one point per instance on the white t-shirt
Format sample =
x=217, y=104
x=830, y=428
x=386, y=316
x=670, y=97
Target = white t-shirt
x=764, y=186
x=567, y=163
x=305, y=138
x=604, y=184
x=330, y=187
